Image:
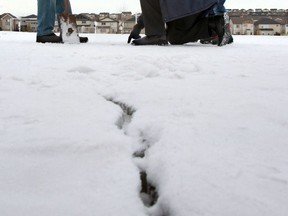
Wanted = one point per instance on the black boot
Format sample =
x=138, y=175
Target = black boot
x=51, y=38
x=83, y=39
x=217, y=24
x=212, y=40
x=227, y=38
x=151, y=40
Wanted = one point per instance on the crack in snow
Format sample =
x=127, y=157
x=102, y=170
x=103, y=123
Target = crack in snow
x=126, y=116
x=148, y=192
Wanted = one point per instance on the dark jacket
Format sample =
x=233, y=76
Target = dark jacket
x=175, y=9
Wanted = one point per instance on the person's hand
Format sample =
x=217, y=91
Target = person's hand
x=135, y=33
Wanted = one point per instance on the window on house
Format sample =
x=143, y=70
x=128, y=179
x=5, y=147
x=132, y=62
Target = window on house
x=103, y=23
x=83, y=22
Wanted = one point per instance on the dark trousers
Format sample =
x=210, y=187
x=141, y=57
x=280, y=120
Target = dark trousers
x=188, y=29
x=180, y=31
x=152, y=17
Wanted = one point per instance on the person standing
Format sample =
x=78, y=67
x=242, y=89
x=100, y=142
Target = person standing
x=47, y=10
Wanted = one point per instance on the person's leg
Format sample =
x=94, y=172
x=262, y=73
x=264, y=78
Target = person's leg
x=218, y=9
x=221, y=8
x=60, y=7
x=188, y=29
x=195, y=27
x=154, y=25
x=152, y=17
x=218, y=14
x=46, y=17
x=46, y=21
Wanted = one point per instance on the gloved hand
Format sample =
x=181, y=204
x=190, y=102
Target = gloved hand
x=135, y=33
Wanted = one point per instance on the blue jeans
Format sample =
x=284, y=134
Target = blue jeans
x=218, y=9
x=47, y=9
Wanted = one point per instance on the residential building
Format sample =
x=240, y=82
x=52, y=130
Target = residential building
x=242, y=26
x=92, y=16
x=126, y=26
x=280, y=16
x=126, y=15
x=104, y=15
x=8, y=22
x=115, y=16
x=85, y=24
x=243, y=22
x=266, y=26
x=107, y=25
x=286, y=29
x=29, y=23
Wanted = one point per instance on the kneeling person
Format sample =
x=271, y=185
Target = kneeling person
x=186, y=21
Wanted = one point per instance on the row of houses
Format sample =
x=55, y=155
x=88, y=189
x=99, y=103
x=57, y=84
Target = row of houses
x=86, y=23
x=242, y=22
x=259, y=22
x=263, y=26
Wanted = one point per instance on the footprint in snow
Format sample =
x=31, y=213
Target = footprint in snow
x=81, y=69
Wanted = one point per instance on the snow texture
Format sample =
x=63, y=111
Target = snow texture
x=207, y=124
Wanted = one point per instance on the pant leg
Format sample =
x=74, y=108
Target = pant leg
x=60, y=8
x=46, y=17
x=188, y=29
x=221, y=9
x=152, y=17
x=218, y=9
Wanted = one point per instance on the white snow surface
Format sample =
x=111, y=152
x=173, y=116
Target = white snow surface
x=213, y=121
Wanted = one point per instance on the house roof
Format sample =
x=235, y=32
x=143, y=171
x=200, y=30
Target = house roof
x=32, y=16
x=7, y=14
x=281, y=20
x=267, y=21
x=104, y=27
x=107, y=19
x=132, y=19
x=241, y=20
x=127, y=12
x=83, y=17
x=266, y=29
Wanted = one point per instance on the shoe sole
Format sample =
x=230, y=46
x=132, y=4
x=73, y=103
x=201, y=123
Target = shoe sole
x=159, y=43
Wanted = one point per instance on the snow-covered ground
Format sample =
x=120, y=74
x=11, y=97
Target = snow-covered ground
x=207, y=126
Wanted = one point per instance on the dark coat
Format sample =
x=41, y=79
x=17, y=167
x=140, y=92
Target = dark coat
x=175, y=9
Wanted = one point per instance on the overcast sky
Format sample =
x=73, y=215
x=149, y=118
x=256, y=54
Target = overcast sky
x=27, y=7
